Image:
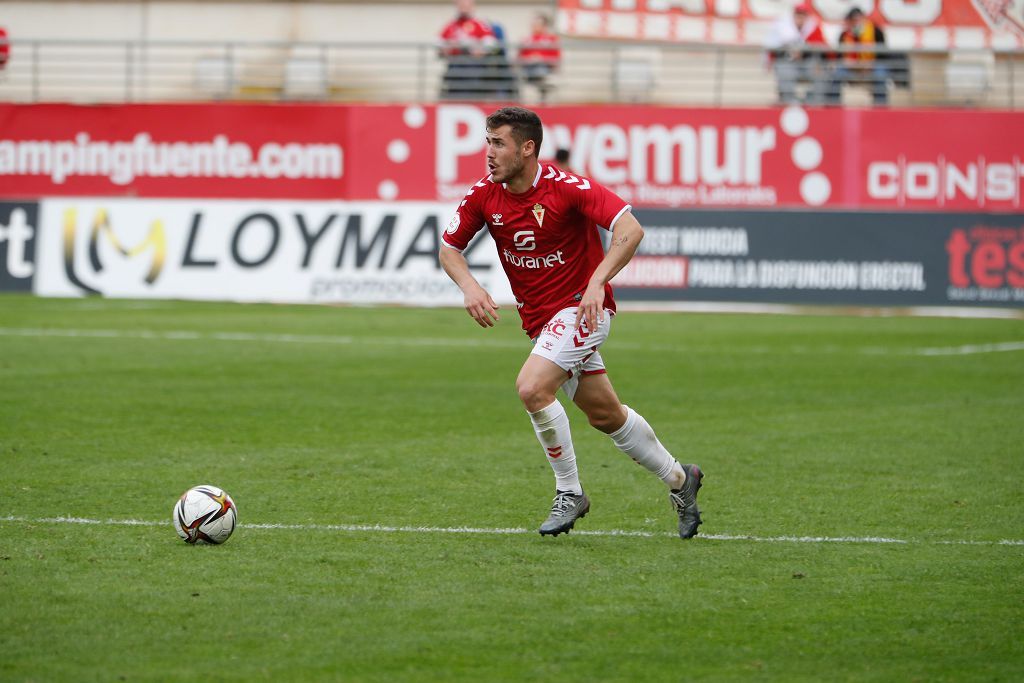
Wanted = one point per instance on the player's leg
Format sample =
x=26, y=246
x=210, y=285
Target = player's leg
x=628, y=430
x=537, y=384
x=538, y=381
x=632, y=434
x=558, y=351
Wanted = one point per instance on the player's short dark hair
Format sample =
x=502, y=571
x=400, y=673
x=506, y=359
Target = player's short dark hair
x=854, y=13
x=524, y=123
x=562, y=156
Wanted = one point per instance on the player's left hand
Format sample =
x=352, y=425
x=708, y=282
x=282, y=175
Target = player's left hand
x=591, y=308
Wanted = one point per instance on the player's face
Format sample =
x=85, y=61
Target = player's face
x=504, y=154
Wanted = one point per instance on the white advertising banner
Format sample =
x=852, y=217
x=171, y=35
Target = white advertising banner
x=274, y=251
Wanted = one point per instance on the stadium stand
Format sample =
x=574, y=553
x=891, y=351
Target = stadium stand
x=388, y=52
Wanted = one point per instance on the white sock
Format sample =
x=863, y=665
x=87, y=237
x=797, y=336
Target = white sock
x=552, y=427
x=637, y=440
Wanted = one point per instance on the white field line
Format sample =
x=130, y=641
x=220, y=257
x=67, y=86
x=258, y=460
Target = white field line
x=498, y=531
x=663, y=307
x=185, y=335
x=179, y=335
x=823, y=310
x=971, y=349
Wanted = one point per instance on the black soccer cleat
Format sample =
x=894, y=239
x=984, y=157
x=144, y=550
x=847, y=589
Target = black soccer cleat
x=684, y=500
x=565, y=510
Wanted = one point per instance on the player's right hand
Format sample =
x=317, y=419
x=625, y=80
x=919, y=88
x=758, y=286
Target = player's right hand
x=481, y=307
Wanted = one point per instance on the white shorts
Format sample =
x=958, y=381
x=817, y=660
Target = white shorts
x=575, y=352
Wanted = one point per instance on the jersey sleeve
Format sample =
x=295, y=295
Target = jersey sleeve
x=467, y=221
x=597, y=202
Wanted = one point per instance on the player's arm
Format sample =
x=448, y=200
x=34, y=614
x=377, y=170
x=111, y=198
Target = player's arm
x=478, y=302
x=626, y=236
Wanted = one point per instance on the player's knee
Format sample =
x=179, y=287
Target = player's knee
x=533, y=394
x=607, y=419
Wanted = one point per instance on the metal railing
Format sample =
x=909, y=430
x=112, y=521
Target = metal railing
x=590, y=72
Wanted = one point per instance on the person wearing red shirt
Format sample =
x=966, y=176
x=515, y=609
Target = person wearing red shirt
x=466, y=43
x=5, y=48
x=540, y=54
x=795, y=47
x=544, y=223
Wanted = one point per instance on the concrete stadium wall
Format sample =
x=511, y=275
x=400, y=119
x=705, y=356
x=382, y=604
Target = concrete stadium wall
x=257, y=21
x=589, y=73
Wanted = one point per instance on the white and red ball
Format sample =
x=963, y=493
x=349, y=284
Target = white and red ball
x=204, y=514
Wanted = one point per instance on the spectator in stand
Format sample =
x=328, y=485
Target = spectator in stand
x=500, y=76
x=540, y=55
x=861, y=65
x=562, y=160
x=466, y=43
x=5, y=48
x=795, y=46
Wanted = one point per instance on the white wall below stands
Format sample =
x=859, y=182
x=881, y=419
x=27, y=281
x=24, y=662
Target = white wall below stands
x=256, y=21
x=590, y=73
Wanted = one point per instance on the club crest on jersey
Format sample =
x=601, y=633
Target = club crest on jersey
x=453, y=224
x=496, y=219
x=538, y=213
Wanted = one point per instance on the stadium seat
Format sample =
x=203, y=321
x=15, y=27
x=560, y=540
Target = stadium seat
x=969, y=74
x=305, y=78
x=215, y=76
x=635, y=70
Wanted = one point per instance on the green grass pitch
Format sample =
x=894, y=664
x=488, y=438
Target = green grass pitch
x=863, y=507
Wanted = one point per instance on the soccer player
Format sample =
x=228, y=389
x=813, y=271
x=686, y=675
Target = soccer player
x=544, y=223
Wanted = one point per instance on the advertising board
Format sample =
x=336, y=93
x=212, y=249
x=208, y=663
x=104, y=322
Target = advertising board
x=803, y=257
x=299, y=252
x=672, y=157
x=18, y=232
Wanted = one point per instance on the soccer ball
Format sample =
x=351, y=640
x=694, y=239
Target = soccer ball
x=204, y=514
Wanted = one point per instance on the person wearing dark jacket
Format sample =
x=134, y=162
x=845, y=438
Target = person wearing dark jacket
x=859, y=61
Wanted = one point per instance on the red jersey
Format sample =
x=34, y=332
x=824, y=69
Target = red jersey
x=541, y=47
x=547, y=238
x=5, y=48
x=465, y=34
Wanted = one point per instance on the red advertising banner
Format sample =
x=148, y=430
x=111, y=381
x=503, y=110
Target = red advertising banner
x=653, y=156
x=200, y=150
x=908, y=23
